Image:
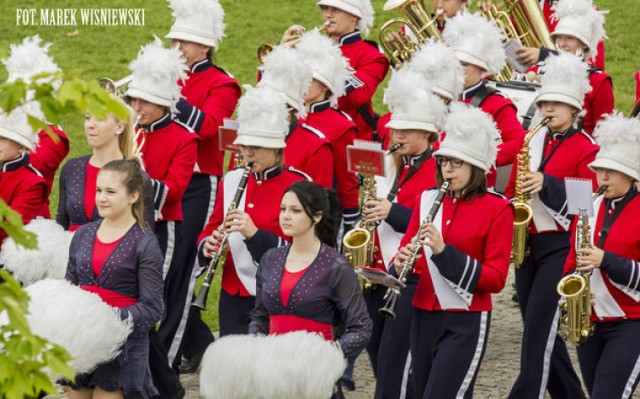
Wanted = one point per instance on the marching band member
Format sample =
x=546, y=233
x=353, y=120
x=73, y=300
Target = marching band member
x=609, y=358
x=465, y=258
x=478, y=45
x=253, y=225
x=330, y=71
x=169, y=155
x=346, y=21
x=109, y=139
x=417, y=116
x=25, y=61
x=22, y=187
x=308, y=149
x=309, y=215
x=580, y=27
x=556, y=152
x=118, y=259
x=209, y=95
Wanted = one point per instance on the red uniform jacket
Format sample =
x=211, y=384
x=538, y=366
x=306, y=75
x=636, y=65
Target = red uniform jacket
x=599, y=101
x=383, y=131
x=505, y=115
x=169, y=155
x=371, y=67
x=22, y=188
x=478, y=235
x=47, y=157
x=621, y=262
x=263, y=195
x=401, y=210
x=340, y=130
x=309, y=150
x=574, y=152
x=209, y=95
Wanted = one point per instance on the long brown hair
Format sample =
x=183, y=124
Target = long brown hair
x=133, y=182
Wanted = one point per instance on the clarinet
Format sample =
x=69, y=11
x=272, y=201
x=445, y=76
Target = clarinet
x=393, y=293
x=220, y=254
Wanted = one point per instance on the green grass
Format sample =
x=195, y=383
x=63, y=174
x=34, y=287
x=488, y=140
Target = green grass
x=92, y=52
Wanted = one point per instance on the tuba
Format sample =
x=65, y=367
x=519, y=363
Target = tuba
x=522, y=201
x=399, y=47
x=576, y=290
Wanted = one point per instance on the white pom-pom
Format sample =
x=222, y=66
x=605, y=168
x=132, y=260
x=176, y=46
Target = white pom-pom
x=288, y=366
x=436, y=61
x=474, y=32
x=28, y=59
x=566, y=69
x=49, y=260
x=366, y=22
x=616, y=129
x=89, y=329
x=260, y=101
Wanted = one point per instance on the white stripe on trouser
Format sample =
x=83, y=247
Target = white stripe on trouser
x=548, y=350
x=628, y=389
x=195, y=269
x=171, y=246
x=405, y=377
x=475, y=362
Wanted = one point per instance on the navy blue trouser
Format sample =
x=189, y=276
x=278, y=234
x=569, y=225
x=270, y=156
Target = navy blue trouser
x=374, y=299
x=544, y=361
x=610, y=359
x=393, y=380
x=234, y=313
x=447, y=349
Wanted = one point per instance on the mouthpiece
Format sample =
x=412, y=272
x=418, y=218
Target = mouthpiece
x=394, y=147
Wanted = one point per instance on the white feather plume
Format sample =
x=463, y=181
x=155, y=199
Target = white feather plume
x=162, y=65
x=407, y=88
x=286, y=71
x=466, y=122
x=366, y=22
x=263, y=100
x=288, y=366
x=435, y=60
x=474, y=30
x=49, y=260
x=212, y=8
x=28, y=59
x=89, y=329
x=317, y=50
x=566, y=69
x=615, y=129
x=583, y=9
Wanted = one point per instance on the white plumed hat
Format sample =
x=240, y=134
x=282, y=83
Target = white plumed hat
x=440, y=67
x=471, y=136
x=580, y=19
x=27, y=60
x=15, y=126
x=360, y=8
x=285, y=366
x=198, y=21
x=565, y=79
x=286, y=71
x=475, y=40
x=58, y=311
x=156, y=74
x=262, y=118
x=619, y=140
x=412, y=104
x=49, y=260
x=327, y=63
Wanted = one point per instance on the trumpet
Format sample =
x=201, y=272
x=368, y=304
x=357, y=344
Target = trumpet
x=265, y=48
x=117, y=87
x=220, y=254
x=393, y=293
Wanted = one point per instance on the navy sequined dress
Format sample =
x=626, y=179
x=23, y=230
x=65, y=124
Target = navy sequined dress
x=327, y=291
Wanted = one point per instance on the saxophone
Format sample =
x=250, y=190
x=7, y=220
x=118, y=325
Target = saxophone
x=522, y=201
x=358, y=243
x=220, y=255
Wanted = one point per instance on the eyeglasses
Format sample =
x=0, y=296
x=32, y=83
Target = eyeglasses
x=443, y=161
